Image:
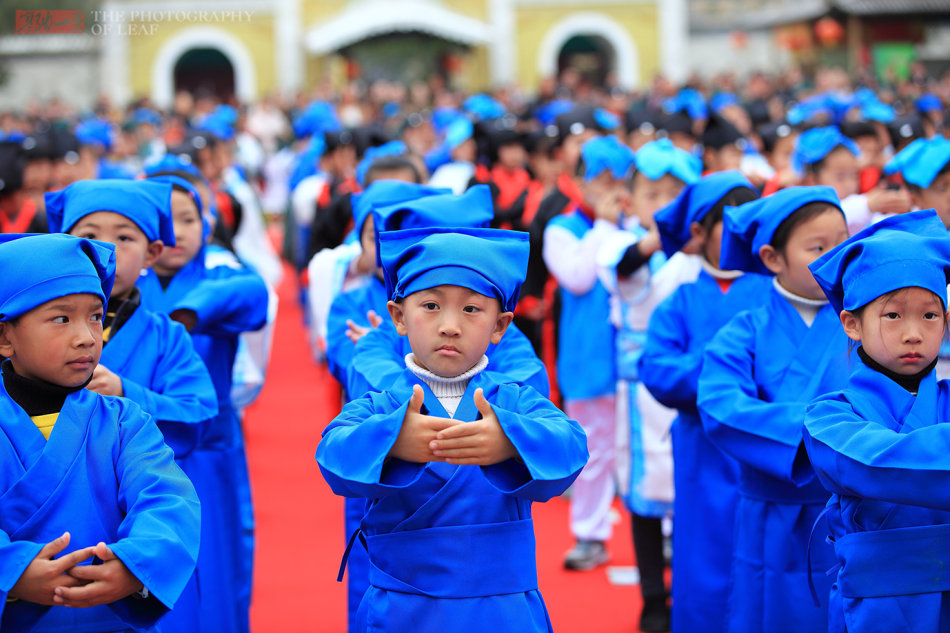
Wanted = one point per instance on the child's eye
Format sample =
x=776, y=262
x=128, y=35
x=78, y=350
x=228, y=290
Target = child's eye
x=930, y=316
x=892, y=315
x=471, y=309
x=430, y=305
x=96, y=318
x=61, y=319
x=125, y=238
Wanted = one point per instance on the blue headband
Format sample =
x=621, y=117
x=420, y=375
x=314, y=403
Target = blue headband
x=40, y=268
x=691, y=205
x=658, y=158
x=907, y=250
x=749, y=227
x=147, y=204
x=492, y=262
x=921, y=161
x=603, y=153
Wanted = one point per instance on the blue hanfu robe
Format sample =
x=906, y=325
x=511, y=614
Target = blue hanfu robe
x=228, y=300
x=758, y=375
x=104, y=475
x=451, y=547
x=705, y=479
x=885, y=456
x=162, y=373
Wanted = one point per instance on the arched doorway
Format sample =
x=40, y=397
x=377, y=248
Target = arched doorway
x=205, y=70
x=590, y=35
x=590, y=56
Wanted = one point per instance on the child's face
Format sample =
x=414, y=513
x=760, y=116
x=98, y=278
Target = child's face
x=188, y=234
x=807, y=242
x=133, y=251
x=936, y=196
x=649, y=196
x=449, y=327
x=781, y=156
x=367, y=260
x=723, y=159
x=59, y=341
x=840, y=172
x=901, y=330
x=602, y=186
x=512, y=156
x=707, y=243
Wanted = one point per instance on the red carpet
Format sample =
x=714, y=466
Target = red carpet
x=300, y=522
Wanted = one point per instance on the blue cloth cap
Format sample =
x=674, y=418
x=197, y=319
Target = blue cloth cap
x=195, y=196
x=459, y=131
x=40, y=268
x=929, y=102
x=921, y=161
x=384, y=193
x=316, y=118
x=695, y=201
x=603, y=153
x=749, y=227
x=482, y=106
x=907, y=250
x=173, y=162
x=146, y=203
x=95, y=132
x=658, y=158
x=392, y=148
x=492, y=262
x=815, y=144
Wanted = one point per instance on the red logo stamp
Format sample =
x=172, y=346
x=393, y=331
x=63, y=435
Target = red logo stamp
x=50, y=21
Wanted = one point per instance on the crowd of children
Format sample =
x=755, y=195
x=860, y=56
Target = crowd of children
x=652, y=296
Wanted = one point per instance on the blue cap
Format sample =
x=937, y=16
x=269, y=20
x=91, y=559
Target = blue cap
x=690, y=101
x=658, y=158
x=929, y=102
x=392, y=148
x=40, y=268
x=921, y=161
x=482, y=106
x=146, y=115
x=547, y=114
x=492, y=262
x=442, y=118
x=316, y=118
x=606, y=152
x=749, y=227
x=195, y=196
x=459, y=131
x=694, y=202
x=901, y=251
x=384, y=193
x=722, y=100
x=815, y=144
x=95, y=132
x=173, y=162
x=146, y=203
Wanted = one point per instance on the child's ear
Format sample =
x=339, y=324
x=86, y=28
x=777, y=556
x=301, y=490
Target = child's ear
x=696, y=231
x=851, y=324
x=398, y=316
x=6, y=346
x=501, y=325
x=152, y=253
x=772, y=259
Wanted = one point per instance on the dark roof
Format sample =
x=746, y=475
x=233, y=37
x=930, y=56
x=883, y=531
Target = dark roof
x=712, y=15
x=875, y=7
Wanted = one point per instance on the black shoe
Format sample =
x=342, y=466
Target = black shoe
x=655, y=617
x=586, y=555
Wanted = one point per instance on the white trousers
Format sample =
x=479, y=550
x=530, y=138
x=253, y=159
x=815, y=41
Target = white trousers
x=593, y=491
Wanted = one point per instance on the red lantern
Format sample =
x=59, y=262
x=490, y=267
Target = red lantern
x=828, y=32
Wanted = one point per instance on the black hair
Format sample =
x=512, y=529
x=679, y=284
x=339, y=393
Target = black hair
x=394, y=162
x=733, y=198
x=798, y=217
x=772, y=133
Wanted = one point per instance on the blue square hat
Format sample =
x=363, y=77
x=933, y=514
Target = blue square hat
x=146, y=203
x=437, y=208
x=40, y=268
x=384, y=193
x=658, y=158
x=492, y=262
x=911, y=249
x=921, y=161
x=694, y=202
x=749, y=227
x=603, y=153
x=815, y=144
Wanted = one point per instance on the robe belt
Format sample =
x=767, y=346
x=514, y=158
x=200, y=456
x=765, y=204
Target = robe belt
x=897, y=562
x=466, y=561
x=755, y=484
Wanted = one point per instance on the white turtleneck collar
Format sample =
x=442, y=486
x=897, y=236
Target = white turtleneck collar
x=449, y=390
x=806, y=308
x=717, y=273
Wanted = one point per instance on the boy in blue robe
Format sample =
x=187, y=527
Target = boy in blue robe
x=924, y=166
x=215, y=304
x=146, y=357
x=452, y=454
x=880, y=444
x=705, y=479
x=758, y=374
x=83, y=476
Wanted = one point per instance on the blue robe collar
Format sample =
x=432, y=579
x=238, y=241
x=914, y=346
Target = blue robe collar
x=882, y=393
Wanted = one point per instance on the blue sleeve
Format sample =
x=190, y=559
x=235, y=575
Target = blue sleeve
x=666, y=367
x=764, y=435
x=353, y=453
x=228, y=301
x=552, y=448
x=376, y=362
x=158, y=538
x=856, y=457
x=340, y=348
x=514, y=357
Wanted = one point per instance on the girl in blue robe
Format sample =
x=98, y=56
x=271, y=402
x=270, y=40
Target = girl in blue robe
x=150, y=355
x=758, y=374
x=217, y=304
x=705, y=479
x=451, y=545
x=880, y=445
x=99, y=469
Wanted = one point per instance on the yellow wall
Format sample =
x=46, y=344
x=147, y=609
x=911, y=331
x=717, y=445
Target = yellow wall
x=532, y=23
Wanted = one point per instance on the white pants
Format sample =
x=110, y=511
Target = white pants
x=594, y=489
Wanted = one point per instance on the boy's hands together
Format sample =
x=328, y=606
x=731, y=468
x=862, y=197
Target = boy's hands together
x=46, y=574
x=481, y=443
x=100, y=584
x=418, y=432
